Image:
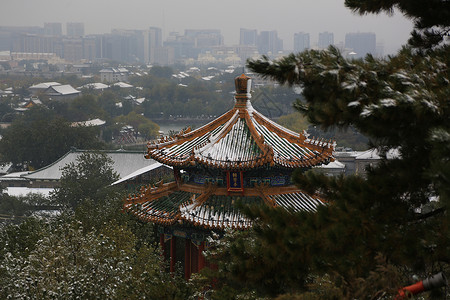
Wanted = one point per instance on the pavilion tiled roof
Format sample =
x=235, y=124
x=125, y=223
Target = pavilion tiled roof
x=212, y=207
x=241, y=139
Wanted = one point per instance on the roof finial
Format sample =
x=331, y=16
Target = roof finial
x=243, y=85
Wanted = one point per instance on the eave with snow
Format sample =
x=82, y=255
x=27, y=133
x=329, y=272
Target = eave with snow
x=41, y=87
x=62, y=92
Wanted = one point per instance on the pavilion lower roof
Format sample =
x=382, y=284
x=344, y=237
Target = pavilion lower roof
x=241, y=139
x=211, y=207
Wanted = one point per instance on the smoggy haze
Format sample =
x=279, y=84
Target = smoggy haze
x=285, y=16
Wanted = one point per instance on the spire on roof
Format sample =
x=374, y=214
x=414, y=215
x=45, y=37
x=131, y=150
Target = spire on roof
x=243, y=85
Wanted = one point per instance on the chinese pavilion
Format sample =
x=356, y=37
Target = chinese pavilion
x=240, y=155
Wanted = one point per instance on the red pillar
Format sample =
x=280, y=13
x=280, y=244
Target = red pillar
x=201, y=258
x=187, y=259
x=194, y=258
x=173, y=253
x=162, y=244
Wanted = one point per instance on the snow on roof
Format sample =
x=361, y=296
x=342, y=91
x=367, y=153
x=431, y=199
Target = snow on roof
x=4, y=168
x=44, y=85
x=36, y=101
x=95, y=86
x=93, y=122
x=140, y=100
x=140, y=172
x=347, y=153
x=181, y=75
x=14, y=175
x=374, y=154
x=332, y=165
x=114, y=70
x=124, y=163
x=24, y=191
x=66, y=89
x=122, y=84
x=8, y=91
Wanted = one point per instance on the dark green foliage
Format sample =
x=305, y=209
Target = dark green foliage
x=14, y=210
x=161, y=72
x=40, y=138
x=374, y=232
x=144, y=126
x=5, y=112
x=107, y=101
x=85, y=108
x=67, y=261
x=12, y=206
x=91, y=252
x=397, y=103
x=87, y=178
x=20, y=239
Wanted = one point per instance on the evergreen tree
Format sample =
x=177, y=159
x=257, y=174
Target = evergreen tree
x=65, y=260
x=40, y=137
x=91, y=251
x=399, y=211
x=88, y=178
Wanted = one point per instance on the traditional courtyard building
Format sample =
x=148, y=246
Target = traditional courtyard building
x=242, y=156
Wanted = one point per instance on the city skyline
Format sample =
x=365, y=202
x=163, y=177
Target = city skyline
x=286, y=17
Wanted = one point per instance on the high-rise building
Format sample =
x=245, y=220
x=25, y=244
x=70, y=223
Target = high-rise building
x=301, y=41
x=126, y=45
x=268, y=42
x=325, y=39
x=53, y=29
x=72, y=49
x=75, y=29
x=361, y=43
x=180, y=47
x=32, y=43
x=204, y=38
x=90, y=48
x=248, y=37
x=154, y=44
x=155, y=37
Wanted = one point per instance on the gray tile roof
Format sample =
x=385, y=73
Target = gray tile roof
x=125, y=163
x=66, y=89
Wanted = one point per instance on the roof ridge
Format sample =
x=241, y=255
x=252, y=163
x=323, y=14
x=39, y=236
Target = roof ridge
x=266, y=149
x=220, y=135
x=181, y=138
x=50, y=165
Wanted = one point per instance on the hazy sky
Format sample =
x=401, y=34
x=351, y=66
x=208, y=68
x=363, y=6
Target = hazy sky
x=285, y=16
